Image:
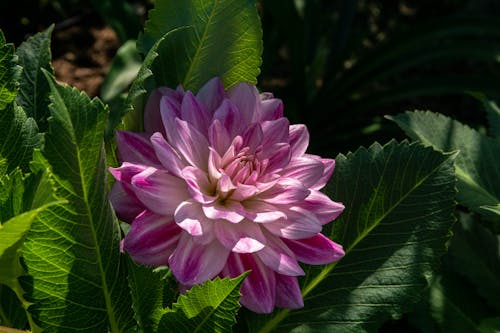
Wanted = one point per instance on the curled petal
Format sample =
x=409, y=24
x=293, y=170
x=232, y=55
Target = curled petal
x=286, y=191
x=316, y=250
x=195, y=113
x=159, y=191
x=272, y=108
x=218, y=136
x=126, y=171
x=192, y=144
x=230, y=210
x=258, y=291
x=211, y=94
x=246, y=98
x=151, y=239
x=135, y=148
x=299, y=139
x=288, y=294
x=277, y=256
x=199, y=186
x=190, y=217
x=306, y=170
x=243, y=237
x=300, y=223
x=322, y=206
x=193, y=263
x=329, y=165
x=167, y=155
x=261, y=212
x=125, y=203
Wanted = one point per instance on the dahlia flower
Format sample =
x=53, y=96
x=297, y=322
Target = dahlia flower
x=220, y=183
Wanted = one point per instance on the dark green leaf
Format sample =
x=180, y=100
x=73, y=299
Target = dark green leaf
x=12, y=313
x=474, y=253
x=478, y=179
x=77, y=277
x=493, y=112
x=221, y=38
x=9, y=73
x=34, y=54
x=210, y=307
x=399, y=211
x=19, y=137
x=149, y=288
x=121, y=16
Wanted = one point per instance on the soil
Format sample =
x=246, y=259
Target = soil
x=82, y=56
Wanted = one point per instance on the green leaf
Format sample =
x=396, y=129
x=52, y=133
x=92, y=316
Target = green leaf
x=399, y=211
x=121, y=16
x=12, y=313
x=77, y=277
x=493, y=113
x=493, y=209
x=9, y=73
x=477, y=178
x=210, y=307
x=455, y=307
x=474, y=253
x=19, y=137
x=34, y=55
x=149, y=290
x=222, y=38
x=123, y=70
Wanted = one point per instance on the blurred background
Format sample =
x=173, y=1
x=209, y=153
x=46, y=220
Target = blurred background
x=339, y=66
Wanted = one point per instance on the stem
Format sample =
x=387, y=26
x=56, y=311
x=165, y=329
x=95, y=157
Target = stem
x=4, y=329
x=16, y=287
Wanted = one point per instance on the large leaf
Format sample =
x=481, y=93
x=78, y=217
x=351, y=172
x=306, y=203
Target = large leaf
x=152, y=291
x=9, y=73
x=210, y=307
x=34, y=54
x=222, y=38
x=77, y=277
x=399, y=210
x=12, y=313
x=478, y=178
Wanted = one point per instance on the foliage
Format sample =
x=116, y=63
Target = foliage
x=61, y=268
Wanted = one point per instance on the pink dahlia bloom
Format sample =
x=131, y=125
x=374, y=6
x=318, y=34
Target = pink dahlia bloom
x=219, y=184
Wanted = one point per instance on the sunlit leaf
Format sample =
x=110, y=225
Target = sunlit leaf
x=210, y=307
x=77, y=277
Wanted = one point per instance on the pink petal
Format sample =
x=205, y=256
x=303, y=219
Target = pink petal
x=272, y=108
x=275, y=131
x=322, y=206
x=259, y=287
x=135, y=148
x=277, y=256
x=159, y=191
x=252, y=137
x=244, y=192
x=279, y=157
x=199, y=186
x=195, y=113
x=192, y=263
x=316, y=250
x=190, y=217
x=329, y=165
x=211, y=94
x=170, y=110
x=192, y=145
x=151, y=239
x=229, y=117
x=306, y=170
x=286, y=191
x=230, y=210
x=300, y=223
x=169, y=158
x=299, y=139
x=246, y=98
x=288, y=294
x=152, y=117
x=261, y=212
x=126, y=204
x=243, y=237
x=218, y=136
x=126, y=171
